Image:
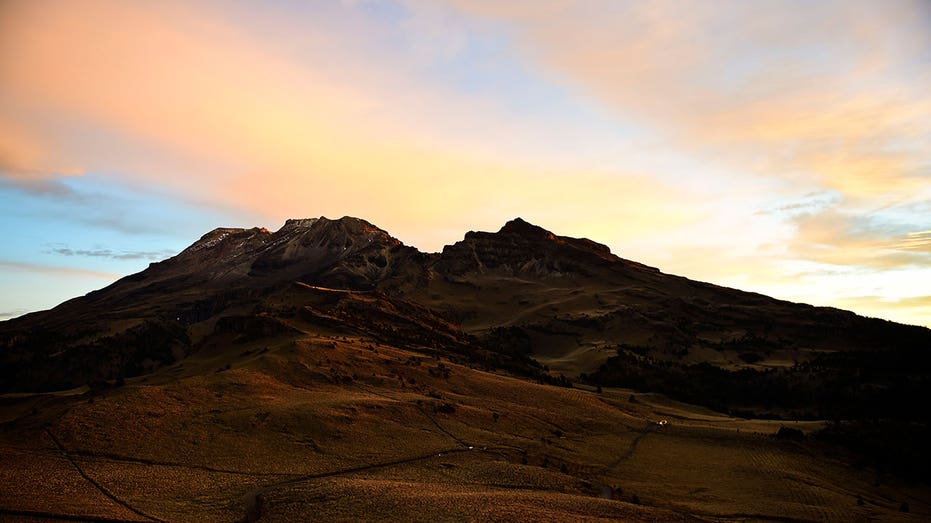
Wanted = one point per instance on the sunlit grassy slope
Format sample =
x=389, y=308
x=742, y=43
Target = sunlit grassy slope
x=341, y=428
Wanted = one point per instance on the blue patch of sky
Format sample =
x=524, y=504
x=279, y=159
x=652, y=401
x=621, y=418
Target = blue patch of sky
x=26, y=291
x=480, y=60
x=87, y=217
x=486, y=66
x=899, y=220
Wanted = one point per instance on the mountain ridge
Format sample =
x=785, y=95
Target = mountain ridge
x=518, y=369
x=569, y=301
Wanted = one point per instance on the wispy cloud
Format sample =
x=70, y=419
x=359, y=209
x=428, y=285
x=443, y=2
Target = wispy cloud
x=915, y=310
x=914, y=241
x=834, y=237
x=12, y=314
x=107, y=253
x=830, y=93
x=809, y=203
x=25, y=158
x=49, y=269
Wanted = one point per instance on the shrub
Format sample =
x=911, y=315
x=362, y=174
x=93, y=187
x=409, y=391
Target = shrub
x=788, y=433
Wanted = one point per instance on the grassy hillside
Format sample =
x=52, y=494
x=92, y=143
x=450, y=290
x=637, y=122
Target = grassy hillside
x=345, y=428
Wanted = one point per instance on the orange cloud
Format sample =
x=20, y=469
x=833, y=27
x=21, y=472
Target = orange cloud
x=207, y=109
x=23, y=156
x=833, y=238
x=915, y=241
x=831, y=95
x=914, y=310
x=64, y=271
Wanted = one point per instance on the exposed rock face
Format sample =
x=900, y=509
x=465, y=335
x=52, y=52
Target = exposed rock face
x=222, y=253
x=521, y=248
x=345, y=253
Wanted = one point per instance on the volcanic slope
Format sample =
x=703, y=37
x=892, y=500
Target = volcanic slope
x=158, y=316
x=344, y=427
x=569, y=303
x=327, y=371
x=576, y=304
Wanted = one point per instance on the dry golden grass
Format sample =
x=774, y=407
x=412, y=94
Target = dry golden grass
x=345, y=429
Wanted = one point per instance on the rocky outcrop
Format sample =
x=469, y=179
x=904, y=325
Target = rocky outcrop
x=345, y=253
x=521, y=248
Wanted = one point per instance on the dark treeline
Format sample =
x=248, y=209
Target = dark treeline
x=848, y=385
x=890, y=446
x=510, y=349
x=875, y=399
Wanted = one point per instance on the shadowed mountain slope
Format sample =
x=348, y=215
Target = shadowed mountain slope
x=325, y=371
x=159, y=315
x=569, y=303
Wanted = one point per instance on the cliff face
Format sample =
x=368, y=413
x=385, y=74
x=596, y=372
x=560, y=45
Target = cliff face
x=521, y=248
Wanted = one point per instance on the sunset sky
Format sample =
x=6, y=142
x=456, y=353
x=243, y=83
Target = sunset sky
x=779, y=147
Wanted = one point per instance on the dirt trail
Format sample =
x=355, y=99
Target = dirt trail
x=116, y=458
x=422, y=411
x=42, y=515
x=650, y=427
x=253, y=499
x=97, y=485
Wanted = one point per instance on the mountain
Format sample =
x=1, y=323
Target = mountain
x=568, y=303
x=159, y=315
x=326, y=371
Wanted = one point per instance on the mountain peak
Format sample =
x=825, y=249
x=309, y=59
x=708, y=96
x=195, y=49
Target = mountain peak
x=346, y=222
x=526, y=229
x=300, y=223
x=221, y=234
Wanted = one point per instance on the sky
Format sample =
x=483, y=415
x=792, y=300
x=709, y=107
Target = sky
x=778, y=147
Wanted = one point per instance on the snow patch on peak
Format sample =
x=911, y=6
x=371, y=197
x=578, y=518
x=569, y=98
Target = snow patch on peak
x=299, y=223
x=211, y=239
